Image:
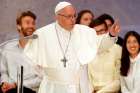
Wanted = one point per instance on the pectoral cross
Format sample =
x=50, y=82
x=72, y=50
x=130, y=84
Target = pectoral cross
x=64, y=60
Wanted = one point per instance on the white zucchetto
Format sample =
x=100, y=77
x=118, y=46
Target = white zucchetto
x=61, y=5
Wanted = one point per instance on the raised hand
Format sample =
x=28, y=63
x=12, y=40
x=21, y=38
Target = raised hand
x=115, y=28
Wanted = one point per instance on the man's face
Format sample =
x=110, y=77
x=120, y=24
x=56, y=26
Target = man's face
x=109, y=24
x=27, y=26
x=100, y=29
x=67, y=17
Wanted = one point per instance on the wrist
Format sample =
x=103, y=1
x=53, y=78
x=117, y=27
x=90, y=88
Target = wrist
x=1, y=84
x=111, y=35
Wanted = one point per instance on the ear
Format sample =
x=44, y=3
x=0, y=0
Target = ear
x=56, y=17
x=19, y=27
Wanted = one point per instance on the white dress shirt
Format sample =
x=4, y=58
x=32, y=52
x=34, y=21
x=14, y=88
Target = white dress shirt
x=12, y=59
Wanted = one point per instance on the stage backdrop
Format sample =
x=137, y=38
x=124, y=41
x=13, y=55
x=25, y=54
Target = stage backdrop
x=127, y=11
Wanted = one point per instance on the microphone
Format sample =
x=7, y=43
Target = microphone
x=34, y=36
x=20, y=80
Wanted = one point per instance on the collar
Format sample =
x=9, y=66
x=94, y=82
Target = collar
x=132, y=60
x=59, y=27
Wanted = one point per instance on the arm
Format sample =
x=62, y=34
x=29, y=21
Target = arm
x=136, y=78
x=111, y=87
x=90, y=75
x=85, y=85
x=114, y=85
x=124, y=88
x=115, y=29
x=32, y=82
x=4, y=69
x=136, y=86
x=7, y=82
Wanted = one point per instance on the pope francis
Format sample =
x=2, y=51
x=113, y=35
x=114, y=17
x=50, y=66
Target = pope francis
x=63, y=50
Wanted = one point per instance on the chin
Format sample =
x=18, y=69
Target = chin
x=28, y=34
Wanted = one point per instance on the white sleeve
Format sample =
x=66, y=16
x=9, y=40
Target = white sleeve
x=33, y=82
x=114, y=38
x=136, y=78
x=111, y=88
x=4, y=69
x=114, y=85
x=137, y=87
x=85, y=85
x=124, y=88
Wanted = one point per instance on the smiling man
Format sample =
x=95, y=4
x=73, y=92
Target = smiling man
x=13, y=57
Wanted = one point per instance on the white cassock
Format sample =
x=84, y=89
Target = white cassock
x=46, y=52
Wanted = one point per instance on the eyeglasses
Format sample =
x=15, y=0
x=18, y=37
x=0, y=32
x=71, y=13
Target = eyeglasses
x=68, y=16
x=102, y=31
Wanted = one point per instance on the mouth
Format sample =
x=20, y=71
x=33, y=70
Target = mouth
x=30, y=30
x=133, y=49
x=72, y=24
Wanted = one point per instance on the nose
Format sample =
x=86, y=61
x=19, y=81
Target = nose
x=73, y=20
x=31, y=25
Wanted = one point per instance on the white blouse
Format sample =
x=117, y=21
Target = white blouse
x=131, y=83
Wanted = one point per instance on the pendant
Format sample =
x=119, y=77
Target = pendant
x=64, y=60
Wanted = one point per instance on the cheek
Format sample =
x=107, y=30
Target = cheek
x=83, y=21
x=128, y=47
x=138, y=48
x=25, y=26
x=63, y=22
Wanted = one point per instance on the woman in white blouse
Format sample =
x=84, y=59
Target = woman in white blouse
x=130, y=63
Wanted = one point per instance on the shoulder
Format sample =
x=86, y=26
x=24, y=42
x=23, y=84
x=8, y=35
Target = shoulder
x=116, y=49
x=138, y=61
x=137, y=66
x=9, y=44
x=85, y=30
x=116, y=46
x=46, y=28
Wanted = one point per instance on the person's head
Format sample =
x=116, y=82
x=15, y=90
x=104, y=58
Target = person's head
x=108, y=19
x=84, y=17
x=65, y=15
x=99, y=25
x=131, y=48
x=26, y=23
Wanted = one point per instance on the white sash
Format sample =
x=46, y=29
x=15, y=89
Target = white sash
x=62, y=76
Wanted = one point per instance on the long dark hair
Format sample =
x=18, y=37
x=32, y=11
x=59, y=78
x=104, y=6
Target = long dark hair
x=81, y=13
x=125, y=61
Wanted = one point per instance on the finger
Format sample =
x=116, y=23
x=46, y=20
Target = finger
x=117, y=21
x=118, y=28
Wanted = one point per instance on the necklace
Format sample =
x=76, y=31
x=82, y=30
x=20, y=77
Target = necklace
x=64, y=51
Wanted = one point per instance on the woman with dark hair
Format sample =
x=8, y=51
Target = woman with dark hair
x=130, y=63
x=84, y=17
